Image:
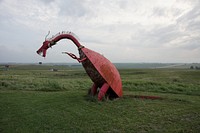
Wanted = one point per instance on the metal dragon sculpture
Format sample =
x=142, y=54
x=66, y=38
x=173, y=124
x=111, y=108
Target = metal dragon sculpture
x=101, y=71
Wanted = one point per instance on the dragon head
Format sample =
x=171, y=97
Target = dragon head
x=46, y=44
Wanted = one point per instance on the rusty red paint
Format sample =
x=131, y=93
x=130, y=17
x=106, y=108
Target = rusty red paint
x=106, y=69
x=145, y=97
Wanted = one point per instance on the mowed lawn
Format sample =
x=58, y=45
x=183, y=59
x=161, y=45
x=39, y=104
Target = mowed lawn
x=34, y=99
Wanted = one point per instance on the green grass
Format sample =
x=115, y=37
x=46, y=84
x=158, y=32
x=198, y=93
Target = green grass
x=34, y=99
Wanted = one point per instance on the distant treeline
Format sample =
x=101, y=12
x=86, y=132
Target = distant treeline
x=195, y=67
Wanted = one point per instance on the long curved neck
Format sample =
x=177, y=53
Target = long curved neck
x=65, y=35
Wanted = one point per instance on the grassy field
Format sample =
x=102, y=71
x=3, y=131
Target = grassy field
x=34, y=99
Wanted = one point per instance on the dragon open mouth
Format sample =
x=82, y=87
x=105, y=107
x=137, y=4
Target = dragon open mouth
x=43, y=49
x=42, y=52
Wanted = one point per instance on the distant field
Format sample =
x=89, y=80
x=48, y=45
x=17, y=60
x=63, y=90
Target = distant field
x=35, y=99
x=118, y=65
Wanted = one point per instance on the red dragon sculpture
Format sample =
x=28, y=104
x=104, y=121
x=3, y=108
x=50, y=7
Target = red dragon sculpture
x=101, y=71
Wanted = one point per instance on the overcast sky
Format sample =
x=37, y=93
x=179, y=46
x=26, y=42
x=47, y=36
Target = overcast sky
x=122, y=30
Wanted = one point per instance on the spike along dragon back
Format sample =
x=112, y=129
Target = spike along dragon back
x=101, y=71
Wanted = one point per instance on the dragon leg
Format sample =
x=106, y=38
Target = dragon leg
x=103, y=91
x=94, y=89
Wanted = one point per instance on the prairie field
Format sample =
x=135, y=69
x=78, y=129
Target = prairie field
x=35, y=99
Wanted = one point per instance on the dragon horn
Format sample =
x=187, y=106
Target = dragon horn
x=47, y=35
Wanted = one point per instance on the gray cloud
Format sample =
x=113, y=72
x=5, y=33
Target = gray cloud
x=48, y=1
x=138, y=30
x=73, y=8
